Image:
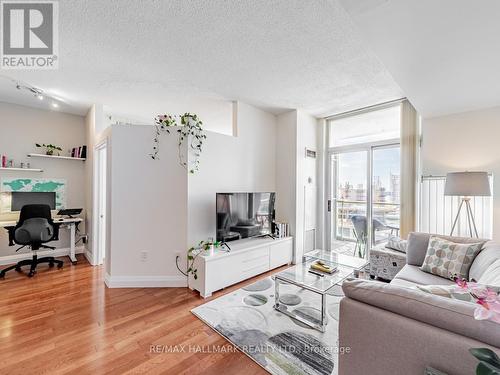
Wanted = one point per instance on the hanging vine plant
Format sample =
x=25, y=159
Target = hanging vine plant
x=190, y=131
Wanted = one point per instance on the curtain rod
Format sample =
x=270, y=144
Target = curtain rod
x=364, y=109
x=438, y=177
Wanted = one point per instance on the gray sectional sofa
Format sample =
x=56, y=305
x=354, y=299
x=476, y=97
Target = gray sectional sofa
x=395, y=328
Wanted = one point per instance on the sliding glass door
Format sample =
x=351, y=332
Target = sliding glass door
x=350, y=201
x=364, y=184
x=364, y=181
x=385, y=193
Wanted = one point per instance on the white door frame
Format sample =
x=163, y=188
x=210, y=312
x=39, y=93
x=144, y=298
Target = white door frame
x=98, y=252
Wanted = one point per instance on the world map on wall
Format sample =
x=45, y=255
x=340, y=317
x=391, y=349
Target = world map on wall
x=57, y=186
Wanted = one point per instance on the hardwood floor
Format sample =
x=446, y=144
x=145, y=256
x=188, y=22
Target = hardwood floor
x=67, y=322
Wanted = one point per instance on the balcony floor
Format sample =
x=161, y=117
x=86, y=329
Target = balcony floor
x=343, y=247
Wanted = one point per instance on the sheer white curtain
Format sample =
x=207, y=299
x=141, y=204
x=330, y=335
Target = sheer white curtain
x=409, y=168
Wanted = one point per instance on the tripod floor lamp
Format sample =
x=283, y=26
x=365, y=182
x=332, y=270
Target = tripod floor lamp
x=467, y=185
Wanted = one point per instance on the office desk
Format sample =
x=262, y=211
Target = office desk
x=69, y=223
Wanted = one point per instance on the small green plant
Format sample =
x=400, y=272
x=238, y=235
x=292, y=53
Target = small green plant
x=489, y=363
x=190, y=131
x=50, y=149
x=193, y=253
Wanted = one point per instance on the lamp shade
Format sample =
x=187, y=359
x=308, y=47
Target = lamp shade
x=467, y=184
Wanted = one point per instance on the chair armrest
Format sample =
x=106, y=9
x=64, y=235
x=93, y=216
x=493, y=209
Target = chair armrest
x=55, y=236
x=11, y=231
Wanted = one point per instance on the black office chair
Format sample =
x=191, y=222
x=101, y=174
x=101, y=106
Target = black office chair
x=34, y=228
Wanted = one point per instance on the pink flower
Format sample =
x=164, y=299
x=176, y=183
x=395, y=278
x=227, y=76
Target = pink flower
x=462, y=283
x=488, y=295
x=488, y=310
x=465, y=287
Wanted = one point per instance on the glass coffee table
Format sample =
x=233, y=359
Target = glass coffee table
x=300, y=276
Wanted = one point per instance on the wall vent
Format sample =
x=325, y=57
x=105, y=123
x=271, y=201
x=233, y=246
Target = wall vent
x=310, y=154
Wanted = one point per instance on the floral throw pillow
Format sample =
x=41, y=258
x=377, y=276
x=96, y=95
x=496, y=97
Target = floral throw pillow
x=449, y=259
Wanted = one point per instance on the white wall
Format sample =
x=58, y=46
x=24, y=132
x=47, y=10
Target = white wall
x=464, y=141
x=20, y=128
x=286, y=169
x=95, y=132
x=307, y=188
x=154, y=202
x=158, y=207
x=243, y=163
x=297, y=174
x=216, y=115
x=148, y=209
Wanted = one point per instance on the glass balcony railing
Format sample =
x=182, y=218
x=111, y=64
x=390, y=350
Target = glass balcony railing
x=351, y=222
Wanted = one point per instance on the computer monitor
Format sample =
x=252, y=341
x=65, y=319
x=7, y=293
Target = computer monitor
x=22, y=198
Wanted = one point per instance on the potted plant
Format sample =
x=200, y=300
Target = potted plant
x=489, y=363
x=194, y=251
x=50, y=149
x=189, y=131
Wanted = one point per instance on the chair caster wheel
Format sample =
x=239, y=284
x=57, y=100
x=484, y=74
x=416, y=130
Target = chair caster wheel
x=59, y=265
x=51, y=265
x=2, y=275
x=18, y=269
x=31, y=274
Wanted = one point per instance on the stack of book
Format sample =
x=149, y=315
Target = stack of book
x=79, y=152
x=281, y=230
x=323, y=267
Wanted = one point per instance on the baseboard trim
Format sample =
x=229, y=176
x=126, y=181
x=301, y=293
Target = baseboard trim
x=145, y=281
x=89, y=256
x=14, y=258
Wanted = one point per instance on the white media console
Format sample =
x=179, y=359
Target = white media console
x=247, y=258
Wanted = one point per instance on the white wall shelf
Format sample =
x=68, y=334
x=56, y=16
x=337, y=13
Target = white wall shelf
x=54, y=157
x=21, y=169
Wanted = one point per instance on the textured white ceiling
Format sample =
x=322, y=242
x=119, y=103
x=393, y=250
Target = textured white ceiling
x=444, y=54
x=143, y=57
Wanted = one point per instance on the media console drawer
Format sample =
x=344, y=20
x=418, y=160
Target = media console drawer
x=229, y=270
x=280, y=254
x=248, y=259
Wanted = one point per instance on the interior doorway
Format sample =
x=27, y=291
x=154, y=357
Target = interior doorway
x=100, y=195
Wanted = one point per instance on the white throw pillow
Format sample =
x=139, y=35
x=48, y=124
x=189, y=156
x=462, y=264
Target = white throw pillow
x=396, y=243
x=492, y=275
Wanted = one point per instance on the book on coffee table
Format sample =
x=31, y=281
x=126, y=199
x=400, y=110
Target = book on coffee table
x=321, y=266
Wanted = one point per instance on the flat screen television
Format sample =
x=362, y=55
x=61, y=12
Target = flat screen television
x=244, y=215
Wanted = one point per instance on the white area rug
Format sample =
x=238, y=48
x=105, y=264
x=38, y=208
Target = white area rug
x=278, y=343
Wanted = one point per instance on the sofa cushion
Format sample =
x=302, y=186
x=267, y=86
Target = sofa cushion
x=492, y=275
x=447, y=291
x=417, y=276
x=451, y=315
x=450, y=259
x=403, y=283
x=488, y=256
x=418, y=243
